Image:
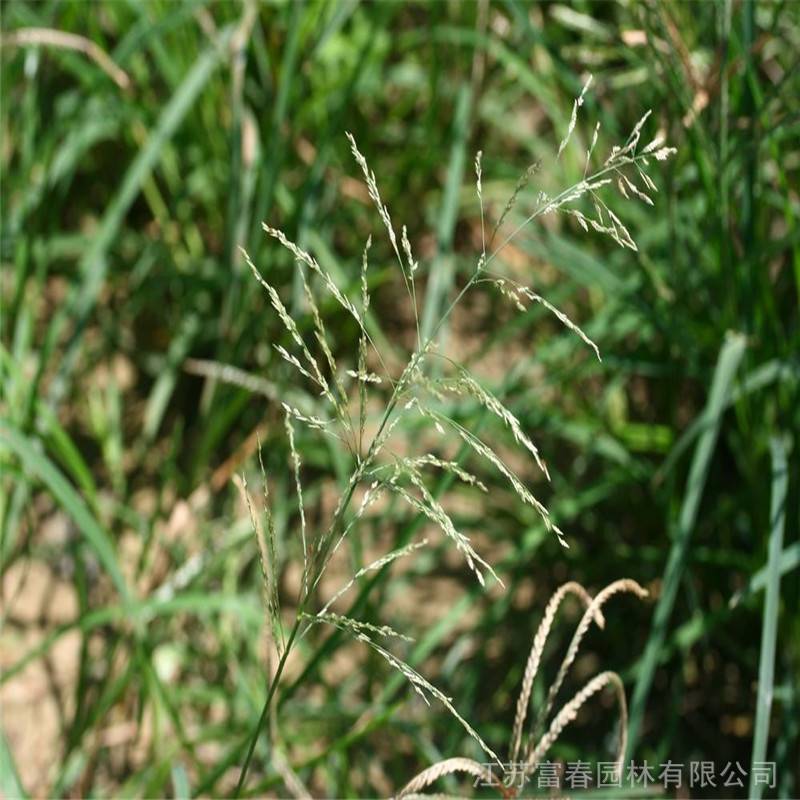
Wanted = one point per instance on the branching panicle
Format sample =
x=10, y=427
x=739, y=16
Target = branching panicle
x=415, y=390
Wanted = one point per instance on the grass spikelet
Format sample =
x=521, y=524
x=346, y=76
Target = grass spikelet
x=522, y=183
x=309, y=419
x=294, y=361
x=339, y=401
x=362, y=349
x=412, y=264
x=379, y=563
x=647, y=180
x=518, y=293
x=420, y=685
x=364, y=377
x=591, y=148
x=535, y=656
x=299, y=488
x=433, y=510
x=311, y=262
x=412, y=268
x=322, y=338
x=447, y=466
x=656, y=143
x=291, y=327
x=466, y=383
x=483, y=450
x=267, y=562
x=664, y=153
x=635, y=134
x=479, y=190
x=636, y=191
x=263, y=559
x=375, y=195
x=354, y=626
x=573, y=119
x=269, y=540
x=383, y=212
x=581, y=221
x=623, y=234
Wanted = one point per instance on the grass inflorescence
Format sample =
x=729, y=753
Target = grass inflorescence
x=376, y=461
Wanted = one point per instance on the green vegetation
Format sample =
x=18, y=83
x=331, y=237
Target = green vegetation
x=140, y=380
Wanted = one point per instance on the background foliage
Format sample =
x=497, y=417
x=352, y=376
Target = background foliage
x=133, y=658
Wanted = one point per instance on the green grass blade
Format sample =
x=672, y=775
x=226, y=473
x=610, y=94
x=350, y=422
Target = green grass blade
x=441, y=275
x=164, y=386
x=769, y=629
x=44, y=469
x=729, y=357
x=788, y=560
x=180, y=783
x=774, y=371
x=280, y=107
x=10, y=784
x=201, y=604
x=94, y=265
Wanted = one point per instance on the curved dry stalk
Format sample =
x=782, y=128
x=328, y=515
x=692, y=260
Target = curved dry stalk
x=290, y=778
x=535, y=657
x=442, y=768
x=437, y=796
x=622, y=585
x=567, y=714
x=68, y=41
x=570, y=711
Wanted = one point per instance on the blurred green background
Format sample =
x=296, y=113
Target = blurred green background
x=138, y=369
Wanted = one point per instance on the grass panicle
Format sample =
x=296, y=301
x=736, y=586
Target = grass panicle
x=143, y=356
x=375, y=466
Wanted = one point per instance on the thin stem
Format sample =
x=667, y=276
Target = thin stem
x=267, y=704
x=301, y=608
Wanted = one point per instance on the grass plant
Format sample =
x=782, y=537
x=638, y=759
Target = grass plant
x=142, y=145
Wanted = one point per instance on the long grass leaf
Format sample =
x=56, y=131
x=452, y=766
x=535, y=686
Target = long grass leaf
x=9, y=777
x=769, y=628
x=94, y=264
x=441, y=273
x=789, y=560
x=43, y=468
x=727, y=363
